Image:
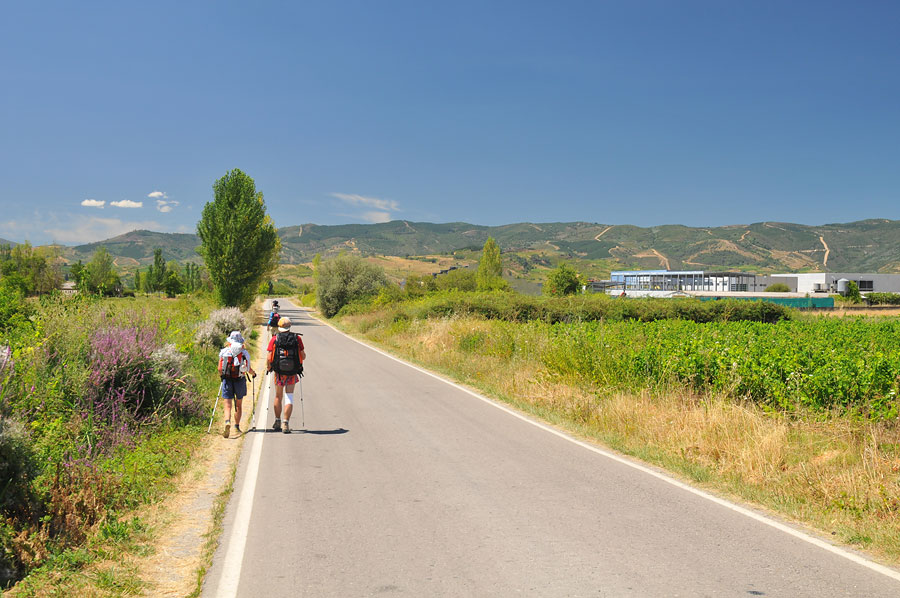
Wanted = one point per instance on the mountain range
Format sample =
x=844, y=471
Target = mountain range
x=863, y=246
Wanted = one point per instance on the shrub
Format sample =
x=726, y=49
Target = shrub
x=562, y=281
x=883, y=298
x=778, y=287
x=214, y=331
x=345, y=279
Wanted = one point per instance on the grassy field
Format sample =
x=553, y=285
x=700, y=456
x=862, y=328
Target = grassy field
x=836, y=471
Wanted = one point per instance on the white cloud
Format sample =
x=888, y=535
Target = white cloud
x=93, y=203
x=158, y=195
x=369, y=202
x=379, y=210
x=84, y=229
x=165, y=206
x=127, y=203
x=376, y=217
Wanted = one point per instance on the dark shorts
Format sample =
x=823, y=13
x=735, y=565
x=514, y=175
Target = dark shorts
x=234, y=388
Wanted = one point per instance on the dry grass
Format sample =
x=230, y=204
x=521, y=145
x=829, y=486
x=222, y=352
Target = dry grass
x=839, y=476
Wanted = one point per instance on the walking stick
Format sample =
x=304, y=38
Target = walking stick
x=302, y=415
x=252, y=399
x=221, y=386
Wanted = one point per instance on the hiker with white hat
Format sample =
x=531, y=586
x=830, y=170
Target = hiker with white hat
x=234, y=365
x=285, y=357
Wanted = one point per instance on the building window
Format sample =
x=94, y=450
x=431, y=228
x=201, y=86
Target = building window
x=866, y=286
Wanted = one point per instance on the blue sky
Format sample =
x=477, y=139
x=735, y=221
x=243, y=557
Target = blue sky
x=120, y=115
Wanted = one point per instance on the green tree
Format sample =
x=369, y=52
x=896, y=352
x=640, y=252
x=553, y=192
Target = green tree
x=490, y=268
x=853, y=292
x=100, y=276
x=240, y=244
x=345, y=279
x=461, y=279
x=563, y=280
x=137, y=280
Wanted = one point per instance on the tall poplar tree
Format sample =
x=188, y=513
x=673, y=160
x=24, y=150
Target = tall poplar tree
x=240, y=244
x=490, y=267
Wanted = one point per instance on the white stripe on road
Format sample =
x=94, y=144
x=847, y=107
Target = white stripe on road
x=856, y=558
x=234, y=557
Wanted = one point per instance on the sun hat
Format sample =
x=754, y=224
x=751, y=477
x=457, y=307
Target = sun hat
x=284, y=324
x=236, y=348
x=235, y=337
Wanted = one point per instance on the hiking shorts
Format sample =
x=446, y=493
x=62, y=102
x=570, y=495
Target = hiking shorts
x=286, y=380
x=234, y=388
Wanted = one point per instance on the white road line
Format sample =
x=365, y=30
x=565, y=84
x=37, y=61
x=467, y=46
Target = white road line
x=858, y=559
x=234, y=557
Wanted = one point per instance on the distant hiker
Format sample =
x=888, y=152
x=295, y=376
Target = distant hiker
x=234, y=365
x=273, y=319
x=286, y=355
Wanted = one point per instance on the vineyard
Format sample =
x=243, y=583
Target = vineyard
x=823, y=365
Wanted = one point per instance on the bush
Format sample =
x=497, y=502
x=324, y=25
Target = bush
x=213, y=332
x=345, y=279
x=778, y=287
x=562, y=281
x=883, y=298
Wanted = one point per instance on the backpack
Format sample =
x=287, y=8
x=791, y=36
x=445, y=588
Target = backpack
x=273, y=319
x=286, y=360
x=232, y=366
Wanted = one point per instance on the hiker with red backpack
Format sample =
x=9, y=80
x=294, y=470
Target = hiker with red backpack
x=234, y=366
x=285, y=357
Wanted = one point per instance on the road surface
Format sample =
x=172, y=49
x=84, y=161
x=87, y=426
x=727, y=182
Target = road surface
x=401, y=484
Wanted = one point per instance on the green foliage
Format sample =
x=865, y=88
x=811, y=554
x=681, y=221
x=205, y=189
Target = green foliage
x=239, y=241
x=564, y=280
x=853, y=295
x=461, y=279
x=33, y=271
x=824, y=365
x=98, y=401
x=778, y=287
x=883, y=298
x=513, y=307
x=345, y=279
x=100, y=276
x=490, y=267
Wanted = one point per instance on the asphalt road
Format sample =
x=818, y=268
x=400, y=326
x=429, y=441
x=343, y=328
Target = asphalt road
x=402, y=484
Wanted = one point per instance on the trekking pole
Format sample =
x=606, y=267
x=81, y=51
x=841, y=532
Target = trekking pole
x=302, y=415
x=252, y=399
x=221, y=386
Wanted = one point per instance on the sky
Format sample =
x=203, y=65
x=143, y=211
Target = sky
x=117, y=115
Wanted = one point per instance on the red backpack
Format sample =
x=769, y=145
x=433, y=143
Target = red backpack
x=231, y=365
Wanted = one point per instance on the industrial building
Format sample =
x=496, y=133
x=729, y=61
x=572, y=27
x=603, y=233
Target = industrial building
x=742, y=285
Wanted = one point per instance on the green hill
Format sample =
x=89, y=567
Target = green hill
x=864, y=246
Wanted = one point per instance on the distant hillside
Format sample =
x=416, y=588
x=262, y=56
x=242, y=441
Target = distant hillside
x=865, y=246
x=135, y=249
x=7, y=242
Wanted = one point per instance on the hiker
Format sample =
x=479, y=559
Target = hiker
x=234, y=365
x=285, y=357
x=273, y=319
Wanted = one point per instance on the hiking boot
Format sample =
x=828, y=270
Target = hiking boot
x=286, y=427
x=227, y=429
x=277, y=425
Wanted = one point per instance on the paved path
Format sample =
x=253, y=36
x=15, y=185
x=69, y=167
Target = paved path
x=402, y=484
